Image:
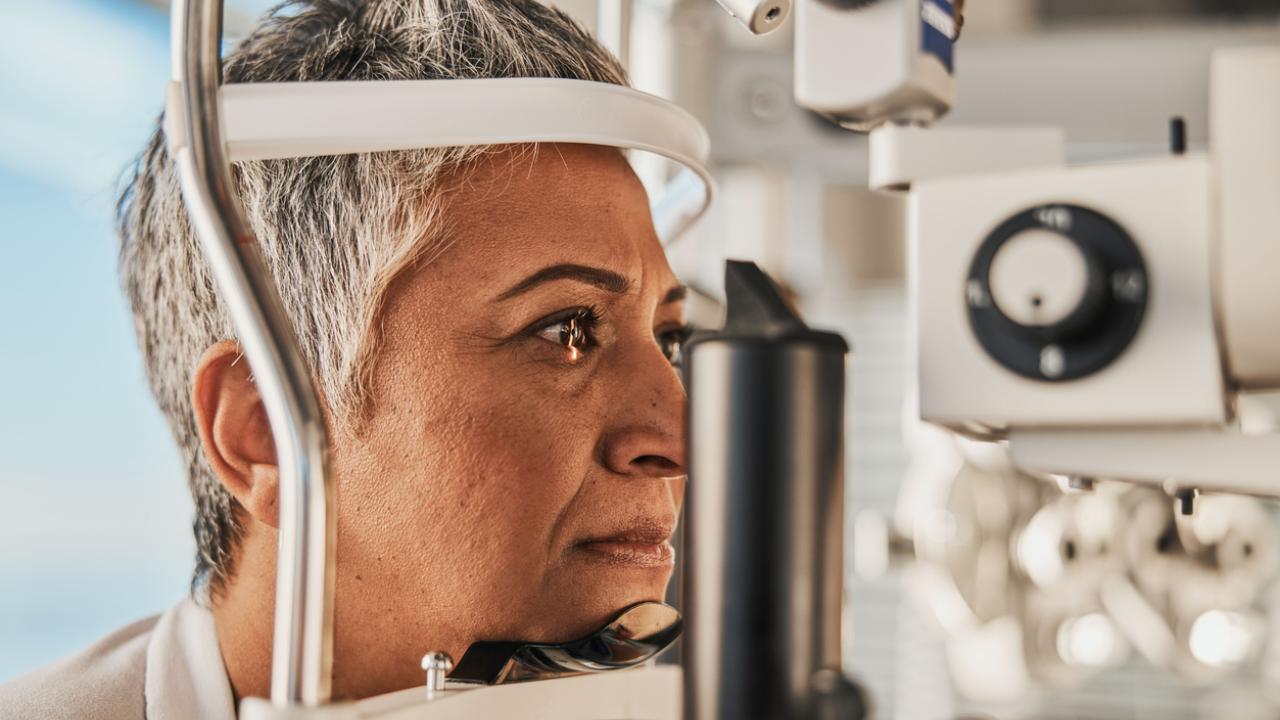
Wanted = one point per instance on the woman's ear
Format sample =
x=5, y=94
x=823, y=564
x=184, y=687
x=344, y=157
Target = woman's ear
x=234, y=431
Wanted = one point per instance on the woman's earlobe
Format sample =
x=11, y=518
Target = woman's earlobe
x=263, y=501
x=234, y=433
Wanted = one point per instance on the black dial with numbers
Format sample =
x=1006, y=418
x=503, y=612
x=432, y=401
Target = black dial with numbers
x=1096, y=294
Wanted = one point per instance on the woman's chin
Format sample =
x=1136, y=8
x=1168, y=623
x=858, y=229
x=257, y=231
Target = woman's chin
x=619, y=575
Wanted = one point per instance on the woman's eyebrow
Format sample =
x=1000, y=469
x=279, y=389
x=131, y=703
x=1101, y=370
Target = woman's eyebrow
x=675, y=294
x=599, y=277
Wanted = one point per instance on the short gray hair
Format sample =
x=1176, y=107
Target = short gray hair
x=334, y=230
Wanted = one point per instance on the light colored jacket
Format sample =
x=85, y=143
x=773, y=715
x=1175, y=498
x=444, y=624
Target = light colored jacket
x=166, y=667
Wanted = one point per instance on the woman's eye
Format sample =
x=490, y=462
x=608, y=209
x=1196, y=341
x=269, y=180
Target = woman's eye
x=574, y=333
x=672, y=343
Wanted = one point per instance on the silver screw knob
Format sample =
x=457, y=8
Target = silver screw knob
x=437, y=665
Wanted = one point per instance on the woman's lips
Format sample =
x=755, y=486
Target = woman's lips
x=630, y=552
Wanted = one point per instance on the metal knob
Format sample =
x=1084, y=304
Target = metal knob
x=437, y=665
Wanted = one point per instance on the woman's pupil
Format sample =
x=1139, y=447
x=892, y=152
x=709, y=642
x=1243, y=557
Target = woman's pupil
x=571, y=334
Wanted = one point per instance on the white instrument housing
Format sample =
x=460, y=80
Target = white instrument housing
x=862, y=64
x=647, y=693
x=1171, y=372
x=1245, y=110
x=1160, y=409
x=758, y=16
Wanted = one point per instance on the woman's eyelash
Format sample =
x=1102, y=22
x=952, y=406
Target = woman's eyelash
x=575, y=331
x=588, y=316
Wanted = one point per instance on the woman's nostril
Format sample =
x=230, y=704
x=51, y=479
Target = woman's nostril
x=656, y=462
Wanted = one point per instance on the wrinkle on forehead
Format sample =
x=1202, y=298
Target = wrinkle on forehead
x=538, y=205
x=523, y=175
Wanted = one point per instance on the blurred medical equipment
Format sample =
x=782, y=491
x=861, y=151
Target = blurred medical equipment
x=1071, y=299
x=867, y=62
x=1055, y=310
x=758, y=16
x=1058, y=306
x=1104, y=322
x=1055, y=585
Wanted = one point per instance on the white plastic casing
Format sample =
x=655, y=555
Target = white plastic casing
x=758, y=16
x=264, y=121
x=1170, y=375
x=868, y=65
x=1245, y=142
x=900, y=155
x=647, y=693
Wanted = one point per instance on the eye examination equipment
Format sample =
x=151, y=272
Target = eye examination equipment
x=1071, y=300
x=1101, y=322
x=638, y=633
x=764, y=565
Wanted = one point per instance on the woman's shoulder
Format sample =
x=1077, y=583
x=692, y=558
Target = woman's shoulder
x=105, y=680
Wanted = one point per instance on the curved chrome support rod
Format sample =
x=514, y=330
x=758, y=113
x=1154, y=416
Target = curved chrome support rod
x=303, y=644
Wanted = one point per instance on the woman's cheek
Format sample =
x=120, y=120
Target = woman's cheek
x=546, y=440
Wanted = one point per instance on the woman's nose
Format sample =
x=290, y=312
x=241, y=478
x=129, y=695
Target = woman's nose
x=646, y=433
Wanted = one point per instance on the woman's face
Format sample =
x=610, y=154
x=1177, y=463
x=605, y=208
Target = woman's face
x=522, y=467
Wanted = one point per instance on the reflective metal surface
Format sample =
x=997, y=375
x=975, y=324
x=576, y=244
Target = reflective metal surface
x=637, y=634
x=436, y=665
x=302, y=647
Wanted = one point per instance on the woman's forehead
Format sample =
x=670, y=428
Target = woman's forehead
x=560, y=204
x=513, y=169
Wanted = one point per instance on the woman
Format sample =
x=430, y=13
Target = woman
x=492, y=330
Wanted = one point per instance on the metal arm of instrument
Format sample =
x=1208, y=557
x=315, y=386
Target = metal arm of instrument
x=302, y=648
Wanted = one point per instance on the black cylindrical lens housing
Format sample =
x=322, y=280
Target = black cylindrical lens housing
x=764, y=516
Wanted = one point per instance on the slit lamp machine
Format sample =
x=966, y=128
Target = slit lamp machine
x=1101, y=321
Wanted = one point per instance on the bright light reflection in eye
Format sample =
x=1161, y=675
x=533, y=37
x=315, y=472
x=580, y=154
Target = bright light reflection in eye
x=1087, y=641
x=1220, y=638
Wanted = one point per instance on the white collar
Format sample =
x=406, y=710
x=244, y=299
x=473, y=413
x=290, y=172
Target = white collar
x=185, y=675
